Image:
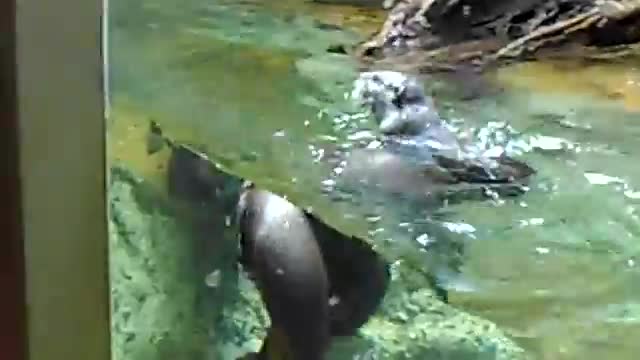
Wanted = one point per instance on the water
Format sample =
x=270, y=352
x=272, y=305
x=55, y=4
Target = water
x=251, y=82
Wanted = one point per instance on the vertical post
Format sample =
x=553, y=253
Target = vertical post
x=63, y=171
x=105, y=59
x=12, y=301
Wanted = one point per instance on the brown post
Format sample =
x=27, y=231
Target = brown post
x=13, y=342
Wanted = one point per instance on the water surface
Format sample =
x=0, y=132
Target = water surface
x=252, y=82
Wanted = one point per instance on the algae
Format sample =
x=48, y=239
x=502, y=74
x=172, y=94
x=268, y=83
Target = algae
x=150, y=275
x=162, y=308
x=413, y=323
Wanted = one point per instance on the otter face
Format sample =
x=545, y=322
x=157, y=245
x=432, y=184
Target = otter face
x=397, y=101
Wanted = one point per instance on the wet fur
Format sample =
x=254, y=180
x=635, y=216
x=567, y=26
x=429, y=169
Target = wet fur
x=322, y=262
x=359, y=277
x=283, y=256
x=297, y=261
x=403, y=113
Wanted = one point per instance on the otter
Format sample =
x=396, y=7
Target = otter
x=419, y=157
x=316, y=282
x=282, y=254
x=398, y=103
x=358, y=277
x=335, y=282
x=193, y=179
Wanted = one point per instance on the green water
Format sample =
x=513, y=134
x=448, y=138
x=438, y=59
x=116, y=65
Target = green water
x=250, y=81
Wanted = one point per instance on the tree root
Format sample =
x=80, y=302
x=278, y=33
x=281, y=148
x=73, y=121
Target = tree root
x=517, y=47
x=440, y=35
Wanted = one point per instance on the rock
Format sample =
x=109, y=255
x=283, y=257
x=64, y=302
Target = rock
x=414, y=324
x=337, y=49
x=151, y=282
x=162, y=307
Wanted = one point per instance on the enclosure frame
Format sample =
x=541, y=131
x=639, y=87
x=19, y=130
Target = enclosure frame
x=63, y=177
x=12, y=302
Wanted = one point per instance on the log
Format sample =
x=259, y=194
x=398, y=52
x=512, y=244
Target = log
x=441, y=35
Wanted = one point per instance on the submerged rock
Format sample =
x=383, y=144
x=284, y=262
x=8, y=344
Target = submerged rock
x=152, y=285
x=414, y=324
x=162, y=307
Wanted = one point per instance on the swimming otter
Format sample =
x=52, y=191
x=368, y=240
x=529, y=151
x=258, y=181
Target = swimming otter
x=282, y=254
x=316, y=282
x=358, y=277
x=419, y=156
x=193, y=179
x=398, y=103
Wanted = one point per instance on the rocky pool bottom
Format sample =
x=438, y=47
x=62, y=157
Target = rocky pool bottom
x=167, y=306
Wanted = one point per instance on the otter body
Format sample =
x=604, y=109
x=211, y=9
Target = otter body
x=420, y=157
x=390, y=173
x=282, y=254
x=358, y=277
x=316, y=282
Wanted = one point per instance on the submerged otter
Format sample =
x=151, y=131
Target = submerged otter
x=419, y=156
x=284, y=258
x=316, y=282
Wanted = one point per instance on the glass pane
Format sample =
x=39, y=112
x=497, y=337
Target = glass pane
x=347, y=179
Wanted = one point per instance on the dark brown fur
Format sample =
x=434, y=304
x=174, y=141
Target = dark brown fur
x=297, y=261
x=286, y=263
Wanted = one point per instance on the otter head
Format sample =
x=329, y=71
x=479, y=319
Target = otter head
x=398, y=102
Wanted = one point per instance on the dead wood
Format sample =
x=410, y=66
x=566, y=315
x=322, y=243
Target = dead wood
x=440, y=35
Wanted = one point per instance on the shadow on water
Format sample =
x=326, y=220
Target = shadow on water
x=557, y=268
